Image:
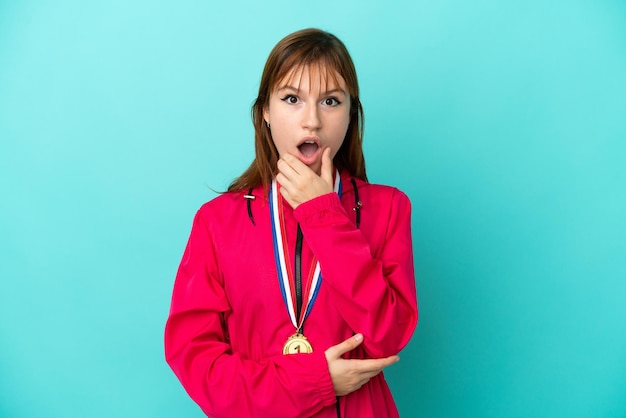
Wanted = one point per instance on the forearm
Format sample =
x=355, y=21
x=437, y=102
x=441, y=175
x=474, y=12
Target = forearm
x=227, y=384
x=222, y=381
x=374, y=294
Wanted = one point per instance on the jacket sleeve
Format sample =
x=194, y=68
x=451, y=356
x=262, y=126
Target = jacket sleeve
x=375, y=295
x=222, y=382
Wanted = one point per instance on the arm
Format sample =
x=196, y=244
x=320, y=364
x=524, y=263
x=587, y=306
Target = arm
x=222, y=382
x=375, y=294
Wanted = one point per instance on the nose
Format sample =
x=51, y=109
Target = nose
x=311, y=118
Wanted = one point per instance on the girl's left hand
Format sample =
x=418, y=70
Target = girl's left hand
x=298, y=183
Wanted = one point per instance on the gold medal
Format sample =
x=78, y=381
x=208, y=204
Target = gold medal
x=296, y=344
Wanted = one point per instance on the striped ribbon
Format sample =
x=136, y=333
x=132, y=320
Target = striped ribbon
x=281, y=255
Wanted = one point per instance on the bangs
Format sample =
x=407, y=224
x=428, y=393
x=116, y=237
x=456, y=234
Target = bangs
x=328, y=78
x=327, y=68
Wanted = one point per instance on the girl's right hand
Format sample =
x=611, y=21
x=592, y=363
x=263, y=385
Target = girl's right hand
x=349, y=375
x=299, y=183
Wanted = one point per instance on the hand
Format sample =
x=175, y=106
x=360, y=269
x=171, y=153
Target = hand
x=349, y=375
x=298, y=183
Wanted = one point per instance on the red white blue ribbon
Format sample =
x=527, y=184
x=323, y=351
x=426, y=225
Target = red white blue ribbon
x=284, y=267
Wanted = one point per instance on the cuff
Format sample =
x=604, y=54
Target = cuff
x=325, y=383
x=313, y=207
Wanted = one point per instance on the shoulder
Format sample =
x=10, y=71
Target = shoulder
x=222, y=200
x=379, y=192
x=222, y=205
x=231, y=209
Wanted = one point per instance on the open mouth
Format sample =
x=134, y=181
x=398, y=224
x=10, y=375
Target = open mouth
x=308, y=148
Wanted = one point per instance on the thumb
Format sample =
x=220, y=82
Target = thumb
x=350, y=344
x=327, y=167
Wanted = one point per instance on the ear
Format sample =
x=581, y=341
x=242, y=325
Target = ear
x=266, y=114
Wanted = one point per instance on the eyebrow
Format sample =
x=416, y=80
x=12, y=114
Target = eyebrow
x=325, y=93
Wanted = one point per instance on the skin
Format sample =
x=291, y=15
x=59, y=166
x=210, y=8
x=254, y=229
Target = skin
x=350, y=375
x=306, y=105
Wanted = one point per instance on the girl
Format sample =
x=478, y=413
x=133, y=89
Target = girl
x=296, y=288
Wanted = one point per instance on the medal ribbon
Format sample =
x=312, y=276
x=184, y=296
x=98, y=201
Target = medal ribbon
x=281, y=255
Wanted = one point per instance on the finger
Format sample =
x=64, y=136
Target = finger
x=294, y=162
x=287, y=169
x=364, y=377
x=350, y=344
x=282, y=180
x=374, y=364
x=327, y=167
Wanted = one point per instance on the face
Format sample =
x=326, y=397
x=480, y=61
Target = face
x=308, y=112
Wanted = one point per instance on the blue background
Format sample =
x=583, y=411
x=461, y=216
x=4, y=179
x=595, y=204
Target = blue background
x=503, y=121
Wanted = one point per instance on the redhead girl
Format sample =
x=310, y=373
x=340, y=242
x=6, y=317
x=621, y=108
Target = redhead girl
x=296, y=288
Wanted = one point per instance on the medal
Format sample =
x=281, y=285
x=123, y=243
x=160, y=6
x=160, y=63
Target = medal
x=297, y=344
x=291, y=287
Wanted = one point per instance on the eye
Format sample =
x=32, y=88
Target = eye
x=290, y=98
x=331, y=101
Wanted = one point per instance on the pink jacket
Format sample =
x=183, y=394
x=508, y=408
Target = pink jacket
x=228, y=322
